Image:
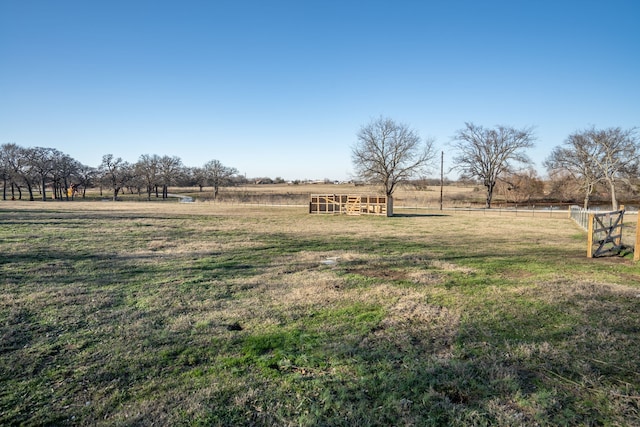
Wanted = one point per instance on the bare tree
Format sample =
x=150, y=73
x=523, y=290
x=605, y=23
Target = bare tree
x=135, y=182
x=520, y=187
x=170, y=169
x=594, y=156
x=115, y=173
x=5, y=171
x=42, y=162
x=66, y=168
x=198, y=177
x=619, y=156
x=85, y=177
x=37, y=168
x=218, y=175
x=564, y=187
x=147, y=168
x=577, y=156
x=389, y=153
x=486, y=154
x=15, y=160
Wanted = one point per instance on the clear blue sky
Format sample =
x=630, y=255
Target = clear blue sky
x=280, y=88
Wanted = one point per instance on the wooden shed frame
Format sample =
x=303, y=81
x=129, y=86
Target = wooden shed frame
x=348, y=204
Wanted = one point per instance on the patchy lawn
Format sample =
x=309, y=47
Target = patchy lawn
x=203, y=314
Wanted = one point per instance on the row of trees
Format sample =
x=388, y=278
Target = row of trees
x=386, y=153
x=154, y=174
x=389, y=153
x=33, y=170
x=598, y=156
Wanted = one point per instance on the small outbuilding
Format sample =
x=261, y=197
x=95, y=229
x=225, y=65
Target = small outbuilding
x=348, y=204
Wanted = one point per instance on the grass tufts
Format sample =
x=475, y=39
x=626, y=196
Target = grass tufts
x=202, y=314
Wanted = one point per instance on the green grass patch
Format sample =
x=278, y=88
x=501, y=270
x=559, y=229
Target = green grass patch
x=121, y=313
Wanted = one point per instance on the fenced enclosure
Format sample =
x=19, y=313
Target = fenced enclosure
x=604, y=230
x=580, y=216
x=348, y=204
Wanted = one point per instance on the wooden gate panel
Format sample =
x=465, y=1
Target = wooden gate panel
x=605, y=232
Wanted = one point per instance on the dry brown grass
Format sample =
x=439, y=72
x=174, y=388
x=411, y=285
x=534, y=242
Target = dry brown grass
x=222, y=314
x=290, y=194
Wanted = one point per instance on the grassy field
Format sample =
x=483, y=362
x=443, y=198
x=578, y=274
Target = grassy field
x=287, y=194
x=217, y=314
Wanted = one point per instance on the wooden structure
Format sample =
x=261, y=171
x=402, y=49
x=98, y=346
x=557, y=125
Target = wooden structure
x=348, y=204
x=605, y=232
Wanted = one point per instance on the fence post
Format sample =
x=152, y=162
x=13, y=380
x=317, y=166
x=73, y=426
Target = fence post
x=618, y=241
x=590, y=236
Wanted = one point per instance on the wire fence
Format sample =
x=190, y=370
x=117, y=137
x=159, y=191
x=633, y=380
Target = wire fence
x=580, y=216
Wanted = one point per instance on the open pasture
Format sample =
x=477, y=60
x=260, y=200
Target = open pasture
x=217, y=314
x=298, y=194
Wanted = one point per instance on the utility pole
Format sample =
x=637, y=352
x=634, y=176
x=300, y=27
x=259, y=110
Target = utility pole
x=441, y=176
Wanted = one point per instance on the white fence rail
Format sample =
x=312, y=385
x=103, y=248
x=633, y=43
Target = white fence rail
x=580, y=216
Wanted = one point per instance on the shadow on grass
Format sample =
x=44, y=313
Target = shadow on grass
x=417, y=215
x=102, y=334
x=487, y=371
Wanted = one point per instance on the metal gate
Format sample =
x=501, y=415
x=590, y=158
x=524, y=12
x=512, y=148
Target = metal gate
x=605, y=233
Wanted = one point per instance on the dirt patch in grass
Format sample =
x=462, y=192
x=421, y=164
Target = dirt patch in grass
x=208, y=314
x=412, y=324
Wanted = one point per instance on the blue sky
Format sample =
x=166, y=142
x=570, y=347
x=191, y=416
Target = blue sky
x=280, y=88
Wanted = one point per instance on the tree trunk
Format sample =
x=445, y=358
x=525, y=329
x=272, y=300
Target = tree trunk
x=13, y=194
x=66, y=189
x=31, y=198
x=614, y=200
x=44, y=190
x=490, y=186
x=587, y=195
x=389, y=205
